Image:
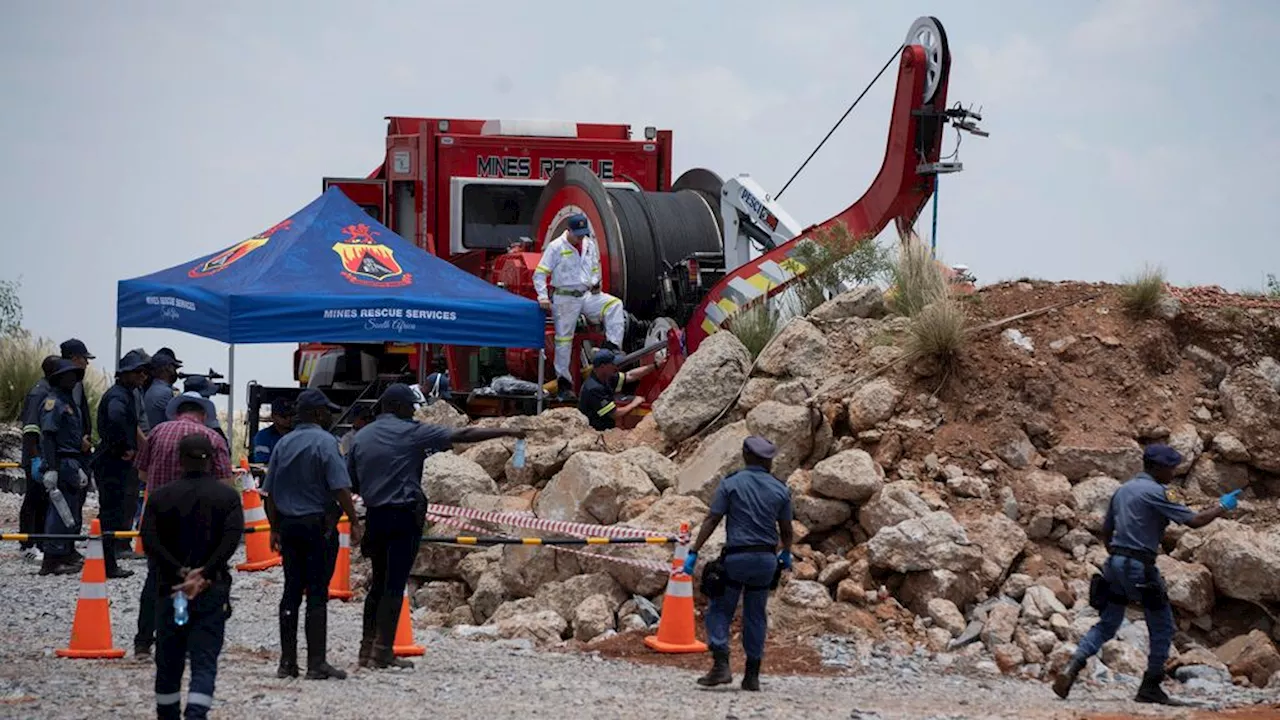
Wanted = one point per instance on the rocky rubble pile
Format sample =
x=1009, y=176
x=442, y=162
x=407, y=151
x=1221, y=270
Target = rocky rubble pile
x=954, y=509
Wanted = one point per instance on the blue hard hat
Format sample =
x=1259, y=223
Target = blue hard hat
x=578, y=225
x=1162, y=456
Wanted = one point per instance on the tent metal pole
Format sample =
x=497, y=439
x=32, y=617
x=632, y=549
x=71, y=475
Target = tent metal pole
x=119, y=345
x=422, y=364
x=231, y=399
x=542, y=377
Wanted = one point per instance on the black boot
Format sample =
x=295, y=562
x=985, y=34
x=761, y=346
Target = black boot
x=288, y=645
x=720, y=674
x=367, y=635
x=384, y=654
x=1062, y=684
x=366, y=653
x=751, y=680
x=318, y=667
x=385, y=657
x=1151, y=692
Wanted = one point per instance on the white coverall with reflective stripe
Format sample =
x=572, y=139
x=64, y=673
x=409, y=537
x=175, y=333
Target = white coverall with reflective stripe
x=573, y=274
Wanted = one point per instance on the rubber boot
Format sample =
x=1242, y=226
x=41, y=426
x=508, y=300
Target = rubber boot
x=384, y=654
x=720, y=674
x=1151, y=692
x=751, y=680
x=288, y=645
x=318, y=667
x=1062, y=684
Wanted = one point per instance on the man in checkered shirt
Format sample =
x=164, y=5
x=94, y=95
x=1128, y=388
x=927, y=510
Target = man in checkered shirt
x=158, y=465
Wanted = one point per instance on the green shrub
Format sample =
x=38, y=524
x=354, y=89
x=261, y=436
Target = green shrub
x=755, y=326
x=20, y=358
x=832, y=256
x=917, y=278
x=1141, y=295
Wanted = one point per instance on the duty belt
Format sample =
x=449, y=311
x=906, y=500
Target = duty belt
x=748, y=549
x=1146, y=558
x=570, y=293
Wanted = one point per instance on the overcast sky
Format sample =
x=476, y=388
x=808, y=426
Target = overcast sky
x=136, y=135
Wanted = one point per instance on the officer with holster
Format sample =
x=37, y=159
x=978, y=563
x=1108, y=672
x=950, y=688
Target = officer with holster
x=757, y=506
x=1140, y=511
x=63, y=468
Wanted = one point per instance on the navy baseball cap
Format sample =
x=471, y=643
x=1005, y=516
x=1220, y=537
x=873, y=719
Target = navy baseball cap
x=313, y=399
x=1162, y=456
x=578, y=225
x=199, y=384
x=65, y=366
x=399, y=393
x=604, y=357
x=759, y=447
x=283, y=407
x=75, y=348
x=132, y=361
x=164, y=357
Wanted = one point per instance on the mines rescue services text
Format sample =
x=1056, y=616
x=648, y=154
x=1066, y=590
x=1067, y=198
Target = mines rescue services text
x=401, y=313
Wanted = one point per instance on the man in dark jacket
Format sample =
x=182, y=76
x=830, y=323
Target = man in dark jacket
x=190, y=529
x=35, y=502
x=117, y=480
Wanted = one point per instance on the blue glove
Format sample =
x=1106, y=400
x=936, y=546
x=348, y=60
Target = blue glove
x=784, y=558
x=690, y=562
x=1230, y=500
x=36, y=464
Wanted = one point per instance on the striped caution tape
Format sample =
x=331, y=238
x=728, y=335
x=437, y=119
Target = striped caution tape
x=450, y=539
x=530, y=522
x=643, y=564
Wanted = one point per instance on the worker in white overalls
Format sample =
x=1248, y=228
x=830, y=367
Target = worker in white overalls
x=572, y=261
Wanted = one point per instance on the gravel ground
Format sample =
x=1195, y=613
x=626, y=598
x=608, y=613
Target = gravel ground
x=477, y=678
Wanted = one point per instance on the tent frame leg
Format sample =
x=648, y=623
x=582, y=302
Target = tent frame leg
x=231, y=400
x=119, y=346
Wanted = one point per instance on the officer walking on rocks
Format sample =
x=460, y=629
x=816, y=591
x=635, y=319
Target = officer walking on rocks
x=385, y=465
x=1140, y=511
x=757, y=510
x=305, y=479
x=62, y=463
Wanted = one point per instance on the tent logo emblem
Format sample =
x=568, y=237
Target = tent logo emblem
x=227, y=257
x=365, y=261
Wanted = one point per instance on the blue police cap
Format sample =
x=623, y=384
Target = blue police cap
x=64, y=366
x=760, y=447
x=165, y=357
x=312, y=399
x=399, y=394
x=1162, y=456
x=75, y=348
x=578, y=225
x=604, y=357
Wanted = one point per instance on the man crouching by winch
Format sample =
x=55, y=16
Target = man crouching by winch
x=572, y=261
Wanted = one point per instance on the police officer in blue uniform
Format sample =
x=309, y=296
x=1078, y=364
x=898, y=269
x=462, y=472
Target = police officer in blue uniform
x=164, y=373
x=63, y=468
x=281, y=422
x=75, y=351
x=757, y=510
x=305, y=479
x=1140, y=511
x=385, y=465
x=117, y=479
x=35, y=503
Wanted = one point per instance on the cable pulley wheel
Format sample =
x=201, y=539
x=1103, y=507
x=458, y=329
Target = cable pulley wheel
x=927, y=32
x=640, y=234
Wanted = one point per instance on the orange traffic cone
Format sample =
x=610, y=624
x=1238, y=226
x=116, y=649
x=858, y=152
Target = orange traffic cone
x=91, y=629
x=340, y=585
x=257, y=544
x=404, y=646
x=676, y=626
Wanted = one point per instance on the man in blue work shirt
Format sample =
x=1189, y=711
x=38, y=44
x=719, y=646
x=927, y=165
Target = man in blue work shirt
x=281, y=422
x=62, y=468
x=305, y=477
x=385, y=465
x=757, y=506
x=35, y=503
x=164, y=373
x=1136, y=519
x=117, y=478
x=599, y=398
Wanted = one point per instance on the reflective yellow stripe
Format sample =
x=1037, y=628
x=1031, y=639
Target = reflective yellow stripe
x=566, y=253
x=610, y=303
x=30, y=429
x=542, y=269
x=606, y=409
x=621, y=379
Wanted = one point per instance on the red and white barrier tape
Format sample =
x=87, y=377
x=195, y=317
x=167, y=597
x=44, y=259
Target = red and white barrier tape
x=531, y=522
x=650, y=565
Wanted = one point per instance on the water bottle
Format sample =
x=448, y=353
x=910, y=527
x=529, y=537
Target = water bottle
x=180, y=609
x=518, y=459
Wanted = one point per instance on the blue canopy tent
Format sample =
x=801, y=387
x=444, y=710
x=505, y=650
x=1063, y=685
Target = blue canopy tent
x=329, y=273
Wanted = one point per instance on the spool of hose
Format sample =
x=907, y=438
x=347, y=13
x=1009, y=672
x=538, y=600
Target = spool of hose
x=640, y=234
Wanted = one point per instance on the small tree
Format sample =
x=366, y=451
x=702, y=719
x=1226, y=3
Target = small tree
x=10, y=307
x=1273, y=286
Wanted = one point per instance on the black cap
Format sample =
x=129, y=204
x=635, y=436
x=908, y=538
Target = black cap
x=195, y=446
x=164, y=357
x=282, y=407
x=49, y=364
x=312, y=399
x=399, y=394
x=64, y=366
x=132, y=361
x=75, y=348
